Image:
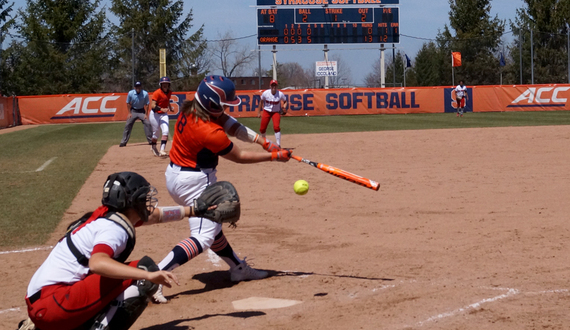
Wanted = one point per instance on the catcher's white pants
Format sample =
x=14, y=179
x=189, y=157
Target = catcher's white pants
x=158, y=120
x=184, y=187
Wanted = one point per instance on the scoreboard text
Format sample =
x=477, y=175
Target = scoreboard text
x=328, y=25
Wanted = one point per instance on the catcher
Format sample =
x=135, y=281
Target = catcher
x=199, y=139
x=86, y=284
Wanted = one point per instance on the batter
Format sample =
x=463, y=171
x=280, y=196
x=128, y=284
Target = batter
x=199, y=139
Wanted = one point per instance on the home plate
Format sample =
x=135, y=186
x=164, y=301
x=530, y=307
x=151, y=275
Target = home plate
x=258, y=303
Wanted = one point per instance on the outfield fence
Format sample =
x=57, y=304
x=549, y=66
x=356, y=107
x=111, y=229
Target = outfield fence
x=312, y=102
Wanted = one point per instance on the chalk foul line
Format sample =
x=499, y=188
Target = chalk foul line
x=28, y=250
x=17, y=309
x=46, y=164
x=510, y=293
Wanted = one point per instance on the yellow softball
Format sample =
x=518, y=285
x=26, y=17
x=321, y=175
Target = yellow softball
x=301, y=187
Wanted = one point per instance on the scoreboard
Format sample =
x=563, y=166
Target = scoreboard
x=328, y=25
x=325, y=2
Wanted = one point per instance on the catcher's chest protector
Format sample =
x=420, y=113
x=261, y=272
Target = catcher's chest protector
x=117, y=218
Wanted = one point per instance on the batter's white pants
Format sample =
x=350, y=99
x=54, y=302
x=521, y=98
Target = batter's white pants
x=158, y=120
x=184, y=187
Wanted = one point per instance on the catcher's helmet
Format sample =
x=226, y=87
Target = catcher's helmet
x=125, y=190
x=164, y=80
x=216, y=91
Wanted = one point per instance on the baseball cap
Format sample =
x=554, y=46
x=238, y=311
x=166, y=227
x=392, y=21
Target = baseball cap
x=273, y=82
x=138, y=83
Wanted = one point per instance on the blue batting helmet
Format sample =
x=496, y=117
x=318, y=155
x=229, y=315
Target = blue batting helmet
x=164, y=80
x=216, y=91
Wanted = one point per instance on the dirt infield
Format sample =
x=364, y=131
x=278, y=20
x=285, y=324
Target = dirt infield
x=469, y=230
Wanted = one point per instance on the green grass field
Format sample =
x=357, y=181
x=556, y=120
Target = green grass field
x=33, y=202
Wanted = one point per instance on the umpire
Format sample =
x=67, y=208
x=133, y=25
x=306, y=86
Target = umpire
x=137, y=104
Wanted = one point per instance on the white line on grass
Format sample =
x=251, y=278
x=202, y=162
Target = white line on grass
x=28, y=250
x=43, y=167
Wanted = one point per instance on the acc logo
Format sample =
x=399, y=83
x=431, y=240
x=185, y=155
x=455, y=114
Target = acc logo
x=541, y=97
x=87, y=108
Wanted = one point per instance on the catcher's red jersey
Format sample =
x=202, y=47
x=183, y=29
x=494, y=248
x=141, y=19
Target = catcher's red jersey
x=198, y=144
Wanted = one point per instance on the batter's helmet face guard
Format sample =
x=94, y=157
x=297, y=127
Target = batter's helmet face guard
x=125, y=190
x=215, y=92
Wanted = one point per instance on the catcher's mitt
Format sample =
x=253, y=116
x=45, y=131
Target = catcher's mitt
x=224, y=196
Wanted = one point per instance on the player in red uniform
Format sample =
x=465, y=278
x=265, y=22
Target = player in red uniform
x=199, y=139
x=271, y=109
x=160, y=106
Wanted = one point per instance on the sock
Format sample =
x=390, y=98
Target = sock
x=278, y=138
x=162, y=145
x=224, y=250
x=181, y=254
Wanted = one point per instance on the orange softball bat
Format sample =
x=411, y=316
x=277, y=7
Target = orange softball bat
x=341, y=173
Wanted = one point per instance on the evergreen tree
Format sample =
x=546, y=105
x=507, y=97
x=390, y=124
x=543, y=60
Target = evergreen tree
x=64, y=48
x=6, y=22
x=548, y=20
x=399, y=63
x=477, y=37
x=157, y=24
x=429, y=66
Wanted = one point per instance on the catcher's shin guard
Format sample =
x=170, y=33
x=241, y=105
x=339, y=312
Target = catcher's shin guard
x=122, y=314
x=147, y=288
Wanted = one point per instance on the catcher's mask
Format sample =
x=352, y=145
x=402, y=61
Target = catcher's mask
x=125, y=190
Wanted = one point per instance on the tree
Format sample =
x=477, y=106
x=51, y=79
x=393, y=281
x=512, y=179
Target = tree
x=343, y=77
x=6, y=22
x=477, y=37
x=291, y=74
x=372, y=79
x=429, y=66
x=157, y=24
x=64, y=48
x=230, y=57
x=548, y=20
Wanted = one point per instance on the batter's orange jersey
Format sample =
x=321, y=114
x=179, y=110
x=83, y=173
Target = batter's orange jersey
x=162, y=99
x=198, y=144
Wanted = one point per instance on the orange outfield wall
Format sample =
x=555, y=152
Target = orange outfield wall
x=313, y=102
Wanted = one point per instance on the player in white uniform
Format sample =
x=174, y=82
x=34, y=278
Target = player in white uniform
x=84, y=282
x=271, y=109
x=461, y=98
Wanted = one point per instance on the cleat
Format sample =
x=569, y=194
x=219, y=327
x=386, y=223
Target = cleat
x=158, y=297
x=154, y=150
x=26, y=324
x=122, y=145
x=243, y=272
x=162, y=154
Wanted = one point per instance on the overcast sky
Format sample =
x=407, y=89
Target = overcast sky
x=418, y=18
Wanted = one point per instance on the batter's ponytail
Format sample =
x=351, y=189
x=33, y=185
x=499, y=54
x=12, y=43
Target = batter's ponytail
x=193, y=107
